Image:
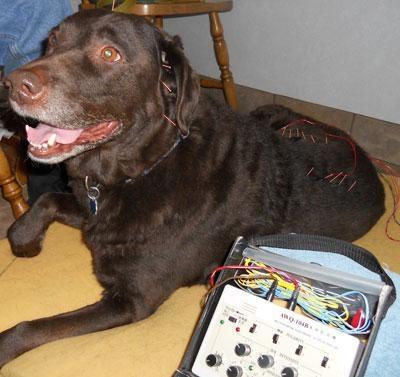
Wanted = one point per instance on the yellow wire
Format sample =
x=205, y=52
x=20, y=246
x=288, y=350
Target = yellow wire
x=316, y=299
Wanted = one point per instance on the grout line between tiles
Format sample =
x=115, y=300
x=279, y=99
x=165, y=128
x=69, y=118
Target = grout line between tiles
x=8, y=266
x=353, y=118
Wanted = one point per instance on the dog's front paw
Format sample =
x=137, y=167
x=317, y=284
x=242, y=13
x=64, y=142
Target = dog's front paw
x=13, y=343
x=25, y=238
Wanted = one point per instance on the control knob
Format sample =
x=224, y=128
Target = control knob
x=289, y=372
x=265, y=361
x=234, y=371
x=242, y=349
x=213, y=360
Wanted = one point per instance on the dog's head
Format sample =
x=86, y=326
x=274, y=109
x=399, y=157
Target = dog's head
x=104, y=76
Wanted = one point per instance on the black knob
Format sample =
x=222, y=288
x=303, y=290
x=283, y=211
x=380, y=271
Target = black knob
x=213, y=360
x=289, y=372
x=234, y=371
x=242, y=349
x=265, y=361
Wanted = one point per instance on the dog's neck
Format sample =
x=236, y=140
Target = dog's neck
x=127, y=157
x=94, y=189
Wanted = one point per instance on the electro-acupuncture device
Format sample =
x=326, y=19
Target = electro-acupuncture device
x=273, y=316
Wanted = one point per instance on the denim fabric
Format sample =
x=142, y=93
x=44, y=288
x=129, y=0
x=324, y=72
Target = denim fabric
x=24, y=25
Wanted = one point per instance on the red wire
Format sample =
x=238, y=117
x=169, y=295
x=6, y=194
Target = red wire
x=296, y=121
x=233, y=267
x=352, y=145
x=386, y=168
x=348, y=139
x=237, y=267
x=392, y=216
x=395, y=188
x=306, y=121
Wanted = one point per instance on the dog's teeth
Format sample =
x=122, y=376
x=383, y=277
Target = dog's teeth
x=44, y=146
x=52, y=140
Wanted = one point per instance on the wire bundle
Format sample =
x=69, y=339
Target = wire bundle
x=348, y=311
x=392, y=178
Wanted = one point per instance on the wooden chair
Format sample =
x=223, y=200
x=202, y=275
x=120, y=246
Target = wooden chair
x=155, y=12
x=12, y=191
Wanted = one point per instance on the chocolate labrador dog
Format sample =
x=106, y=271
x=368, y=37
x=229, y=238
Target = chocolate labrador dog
x=163, y=178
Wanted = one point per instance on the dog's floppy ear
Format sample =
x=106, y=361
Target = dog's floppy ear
x=179, y=83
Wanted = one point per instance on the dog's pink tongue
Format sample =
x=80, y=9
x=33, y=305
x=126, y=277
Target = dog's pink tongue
x=42, y=133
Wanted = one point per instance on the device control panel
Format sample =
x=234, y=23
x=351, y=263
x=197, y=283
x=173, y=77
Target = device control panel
x=251, y=337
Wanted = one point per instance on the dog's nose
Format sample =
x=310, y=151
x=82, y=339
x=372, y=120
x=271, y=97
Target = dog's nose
x=26, y=86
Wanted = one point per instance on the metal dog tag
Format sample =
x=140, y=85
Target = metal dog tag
x=93, y=206
x=93, y=193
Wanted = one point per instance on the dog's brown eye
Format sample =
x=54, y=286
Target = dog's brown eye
x=110, y=54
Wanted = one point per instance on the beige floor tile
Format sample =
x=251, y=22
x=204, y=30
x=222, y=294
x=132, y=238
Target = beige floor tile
x=248, y=99
x=379, y=138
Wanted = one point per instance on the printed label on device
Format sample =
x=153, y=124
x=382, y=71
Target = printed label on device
x=251, y=337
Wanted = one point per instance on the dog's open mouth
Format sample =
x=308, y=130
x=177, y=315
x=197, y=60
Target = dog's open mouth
x=47, y=141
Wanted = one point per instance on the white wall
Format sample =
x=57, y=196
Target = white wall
x=340, y=53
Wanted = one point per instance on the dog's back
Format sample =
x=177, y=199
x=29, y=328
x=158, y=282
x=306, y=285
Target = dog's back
x=334, y=187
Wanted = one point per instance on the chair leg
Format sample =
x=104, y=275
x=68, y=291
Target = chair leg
x=156, y=20
x=159, y=22
x=221, y=54
x=12, y=191
x=85, y=4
